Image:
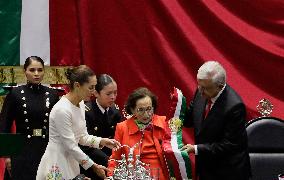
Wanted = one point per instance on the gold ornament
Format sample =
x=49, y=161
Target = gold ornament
x=175, y=124
x=264, y=107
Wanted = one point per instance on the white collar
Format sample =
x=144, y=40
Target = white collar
x=101, y=108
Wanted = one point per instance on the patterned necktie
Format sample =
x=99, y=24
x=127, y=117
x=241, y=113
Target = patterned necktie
x=208, y=107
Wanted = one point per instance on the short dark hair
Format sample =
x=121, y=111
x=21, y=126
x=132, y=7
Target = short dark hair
x=139, y=94
x=28, y=61
x=103, y=80
x=79, y=74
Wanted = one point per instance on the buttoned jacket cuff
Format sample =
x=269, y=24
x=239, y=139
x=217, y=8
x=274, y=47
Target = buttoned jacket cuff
x=87, y=163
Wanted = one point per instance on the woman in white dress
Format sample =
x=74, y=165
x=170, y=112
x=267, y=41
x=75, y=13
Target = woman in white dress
x=67, y=128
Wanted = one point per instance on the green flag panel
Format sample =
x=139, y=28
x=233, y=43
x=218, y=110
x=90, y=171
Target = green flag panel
x=10, y=20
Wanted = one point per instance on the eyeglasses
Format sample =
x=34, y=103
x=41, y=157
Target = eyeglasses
x=207, y=89
x=148, y=109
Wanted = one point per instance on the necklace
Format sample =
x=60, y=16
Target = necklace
x=142, y=125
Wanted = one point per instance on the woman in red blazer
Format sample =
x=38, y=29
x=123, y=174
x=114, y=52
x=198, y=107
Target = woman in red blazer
x=145, y=127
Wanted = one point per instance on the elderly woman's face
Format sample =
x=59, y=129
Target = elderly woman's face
x=144, y=109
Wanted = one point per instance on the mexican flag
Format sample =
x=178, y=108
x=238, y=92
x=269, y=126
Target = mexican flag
x=34, y=28
x=37, y=28
x=40, y=28
x=24, y=31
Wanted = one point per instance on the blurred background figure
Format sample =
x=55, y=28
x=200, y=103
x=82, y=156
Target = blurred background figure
x=29, y=107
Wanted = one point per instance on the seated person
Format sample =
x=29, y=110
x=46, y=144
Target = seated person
x=145, y=129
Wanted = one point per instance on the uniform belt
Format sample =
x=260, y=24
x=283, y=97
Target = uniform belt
x=37, y=132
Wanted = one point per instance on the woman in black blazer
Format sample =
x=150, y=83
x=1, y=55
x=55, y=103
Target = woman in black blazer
x=28, y=106
x=102, y=115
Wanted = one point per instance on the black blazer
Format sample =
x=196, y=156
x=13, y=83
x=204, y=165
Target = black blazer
x=97, y=125
x=29, y=107
x=221, y=138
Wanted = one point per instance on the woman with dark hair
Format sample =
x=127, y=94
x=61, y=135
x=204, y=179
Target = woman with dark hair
x=29, y=107
x=67, y=129
x=102, y=115
x=144, y=129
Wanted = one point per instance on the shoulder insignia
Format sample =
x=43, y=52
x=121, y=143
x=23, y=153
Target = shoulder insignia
x=9, y=87
x=87, y=108
x=116, y=106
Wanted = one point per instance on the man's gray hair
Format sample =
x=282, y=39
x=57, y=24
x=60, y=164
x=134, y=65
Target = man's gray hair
x=212, y=70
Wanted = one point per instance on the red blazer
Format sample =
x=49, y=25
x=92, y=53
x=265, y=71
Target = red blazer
x=127, y=133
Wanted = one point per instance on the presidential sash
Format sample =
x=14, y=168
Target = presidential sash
x=178, y=162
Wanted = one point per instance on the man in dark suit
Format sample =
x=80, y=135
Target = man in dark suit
x=217, y=114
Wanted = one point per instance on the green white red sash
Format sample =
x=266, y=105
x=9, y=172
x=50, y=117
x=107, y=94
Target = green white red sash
x=178, y=161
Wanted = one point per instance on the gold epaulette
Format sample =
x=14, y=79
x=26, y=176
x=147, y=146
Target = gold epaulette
x=87, y=108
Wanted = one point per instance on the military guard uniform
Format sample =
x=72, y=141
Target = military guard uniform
x=100, y=124
x=29, y=106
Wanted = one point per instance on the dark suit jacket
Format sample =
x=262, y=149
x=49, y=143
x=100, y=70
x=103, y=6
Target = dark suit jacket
x=97, y=125
x=221, y=138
